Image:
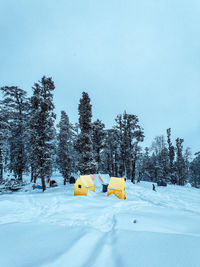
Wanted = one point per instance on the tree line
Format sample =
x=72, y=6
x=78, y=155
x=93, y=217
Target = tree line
x=30, y=142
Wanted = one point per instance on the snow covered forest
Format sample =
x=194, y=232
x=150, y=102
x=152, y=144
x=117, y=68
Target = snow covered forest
x=99, y=133
x=31, y=142
x=48, y=229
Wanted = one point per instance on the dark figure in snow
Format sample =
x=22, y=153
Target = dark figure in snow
x=52, y=183
x=72, y=180
x=154, y=188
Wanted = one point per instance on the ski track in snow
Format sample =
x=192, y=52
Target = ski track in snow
x=98, y=224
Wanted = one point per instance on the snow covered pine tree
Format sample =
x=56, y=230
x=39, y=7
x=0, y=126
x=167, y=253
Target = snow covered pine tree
x=195, y=171
x=87, y=163
x=180, y=162
x=98, y=140
x=65, y=146
x=171, y=154
x=42, y=129
x=110, y=153
x=129, y=134
x=16, y=105
x=4, y=136
x=161, y=159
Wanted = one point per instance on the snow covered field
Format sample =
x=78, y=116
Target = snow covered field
x=55, y=228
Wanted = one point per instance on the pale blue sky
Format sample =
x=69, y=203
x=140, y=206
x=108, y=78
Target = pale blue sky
x=139, y=56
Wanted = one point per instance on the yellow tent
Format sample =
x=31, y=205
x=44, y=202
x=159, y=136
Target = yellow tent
x=117, y=186
x=83, y=184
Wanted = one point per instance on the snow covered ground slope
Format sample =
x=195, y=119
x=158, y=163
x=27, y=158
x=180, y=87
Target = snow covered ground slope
x=55, y=229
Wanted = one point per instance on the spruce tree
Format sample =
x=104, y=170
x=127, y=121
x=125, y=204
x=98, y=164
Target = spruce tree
x=180, y=163
x=110, y=153
x=195, y=171
x=129, y=135
x=86, y=163
x=75, y=153
x=164, y=164
x=16, y=105
x=65, y=146
x=121, y=141
x=187, y=160
x=98, y=140
x=171, y=154
x=136, y=153
x=42, y=129
x=161, y=158
x=148, y=171
x=4, y=136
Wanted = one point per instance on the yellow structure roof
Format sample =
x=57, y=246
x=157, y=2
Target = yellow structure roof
x=116, y=183
x=87, y=180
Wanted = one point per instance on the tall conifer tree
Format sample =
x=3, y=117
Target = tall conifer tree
x=4, y=136
x=129, y=135
x=171, y=154
x=195, y=171
x=87, y=163
x=16, y=105
x=98, y=138
x=180, y=163
x=65, y=146
x=42, y=129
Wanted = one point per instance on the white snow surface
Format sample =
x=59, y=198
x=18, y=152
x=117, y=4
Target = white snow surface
x=58, y=229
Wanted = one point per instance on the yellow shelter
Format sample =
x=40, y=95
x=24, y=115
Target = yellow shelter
x=83, y=184
x=117, y=186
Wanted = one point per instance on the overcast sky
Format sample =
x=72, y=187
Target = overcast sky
x=139, y=56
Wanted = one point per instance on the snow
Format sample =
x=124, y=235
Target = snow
x=55, y=228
